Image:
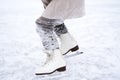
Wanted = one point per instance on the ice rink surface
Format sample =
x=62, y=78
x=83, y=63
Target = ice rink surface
x=97, y=33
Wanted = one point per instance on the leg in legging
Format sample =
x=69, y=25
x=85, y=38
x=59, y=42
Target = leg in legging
x=67, y=41
x=45, y=30
x=55, y=60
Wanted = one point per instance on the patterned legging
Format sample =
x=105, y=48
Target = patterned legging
x=48, y=29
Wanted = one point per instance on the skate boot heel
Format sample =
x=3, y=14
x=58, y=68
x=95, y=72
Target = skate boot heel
x=75, y=48
x=62, y=69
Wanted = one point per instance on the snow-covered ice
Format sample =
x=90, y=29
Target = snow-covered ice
x=97, y=33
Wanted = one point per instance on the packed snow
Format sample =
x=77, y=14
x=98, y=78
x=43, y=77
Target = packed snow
x=97, y=33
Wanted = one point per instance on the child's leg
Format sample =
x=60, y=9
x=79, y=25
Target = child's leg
x=56, y=61
x=67, y=41
x=45, y=29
